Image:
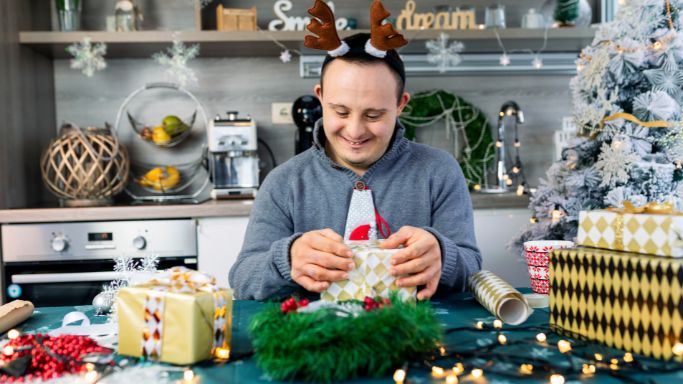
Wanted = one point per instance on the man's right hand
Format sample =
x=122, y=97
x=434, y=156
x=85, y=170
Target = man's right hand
x=319, y=258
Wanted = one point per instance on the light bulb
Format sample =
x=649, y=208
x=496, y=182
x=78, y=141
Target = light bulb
x=628, y=357
x=437, y=372
x=13, y=334
x=515, y=169
x=678, y=349
x=520, y=190
x=477, y=187
x=541, y=337
x=504, y=60
x=499, y=144
x=502, y=339
x=399, y=376
x=452, y=379
x=537, y=62
x=556, y=379
x=458, y=368
x=564, y=346
x=526, y=369
x=479, y=325
x=477, y=373
x=598, y=357
x=497, y=324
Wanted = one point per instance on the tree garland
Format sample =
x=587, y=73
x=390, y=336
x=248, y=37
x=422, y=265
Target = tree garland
x=463, y=120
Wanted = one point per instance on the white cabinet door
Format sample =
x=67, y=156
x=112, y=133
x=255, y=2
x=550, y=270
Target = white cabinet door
x=495, y=228
x=219, y=240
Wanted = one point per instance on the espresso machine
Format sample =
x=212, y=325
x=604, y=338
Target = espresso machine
x=306, y=110
x=233, y=158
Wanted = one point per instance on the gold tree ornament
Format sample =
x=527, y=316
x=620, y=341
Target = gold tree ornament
x=85, y=167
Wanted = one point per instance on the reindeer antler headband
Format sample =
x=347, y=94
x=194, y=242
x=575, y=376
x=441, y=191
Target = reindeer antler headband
x=382, y=37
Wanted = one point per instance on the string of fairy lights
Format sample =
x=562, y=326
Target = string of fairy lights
x=580, y=360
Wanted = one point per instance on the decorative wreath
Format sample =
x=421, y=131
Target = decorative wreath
x=463, y=120
x=327, y=341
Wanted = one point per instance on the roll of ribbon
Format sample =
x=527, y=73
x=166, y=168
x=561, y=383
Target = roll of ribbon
x=14, y=313
x=499, y=297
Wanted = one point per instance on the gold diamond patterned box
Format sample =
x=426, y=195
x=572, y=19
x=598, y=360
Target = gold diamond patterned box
x=623, y=300
x=178, y=317
x=370, y=277
x=653, y=234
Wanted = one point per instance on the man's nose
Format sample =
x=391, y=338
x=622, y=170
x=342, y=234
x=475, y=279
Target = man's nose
x=355, y=128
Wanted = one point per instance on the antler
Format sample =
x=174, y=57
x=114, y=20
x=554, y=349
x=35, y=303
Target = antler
x=383, y=37
x=327, y=39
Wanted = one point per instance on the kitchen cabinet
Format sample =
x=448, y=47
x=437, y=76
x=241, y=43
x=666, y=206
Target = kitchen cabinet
x=219, y=240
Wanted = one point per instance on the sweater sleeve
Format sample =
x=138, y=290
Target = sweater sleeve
x=262, y=270
x=453, y=226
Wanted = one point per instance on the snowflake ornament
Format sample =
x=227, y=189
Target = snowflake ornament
x=443, y=53
x=175, y=59
x=88, y=57
x=614, y=162
x=666, y=78
x=285, y=56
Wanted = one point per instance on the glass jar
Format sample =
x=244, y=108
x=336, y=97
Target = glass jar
x=127, y=16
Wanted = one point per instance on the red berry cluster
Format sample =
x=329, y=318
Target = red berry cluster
x=291, y=305
x=50, y=356
x=370, y=304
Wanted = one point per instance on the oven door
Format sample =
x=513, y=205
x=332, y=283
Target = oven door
x=68, y=283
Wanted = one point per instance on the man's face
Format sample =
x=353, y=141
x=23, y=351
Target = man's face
x=359, y=112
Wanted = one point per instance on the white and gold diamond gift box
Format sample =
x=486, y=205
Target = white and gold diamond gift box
x=653, y=234
x=370, y=277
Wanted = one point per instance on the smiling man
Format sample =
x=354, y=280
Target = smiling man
x=361, y=170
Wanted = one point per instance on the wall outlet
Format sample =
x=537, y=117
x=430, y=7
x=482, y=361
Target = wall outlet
x=281, y=113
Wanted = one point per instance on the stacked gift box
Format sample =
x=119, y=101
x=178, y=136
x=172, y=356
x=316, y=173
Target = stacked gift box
x=623, y=287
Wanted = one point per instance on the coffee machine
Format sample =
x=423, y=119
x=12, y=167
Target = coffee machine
x=306, y=110
x=233, y=158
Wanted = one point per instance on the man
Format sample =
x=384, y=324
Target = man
x=294, y=240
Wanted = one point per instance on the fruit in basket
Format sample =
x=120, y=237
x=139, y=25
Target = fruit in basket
x=160, y=178
x=160, y=136
x=174, y=126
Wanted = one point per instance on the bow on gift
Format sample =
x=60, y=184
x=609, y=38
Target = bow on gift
x=181, y=280
x=652, y=208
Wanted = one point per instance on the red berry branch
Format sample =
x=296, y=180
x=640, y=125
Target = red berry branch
x=291, y=305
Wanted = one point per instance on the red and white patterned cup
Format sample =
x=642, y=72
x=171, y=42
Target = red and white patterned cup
x=537, y=261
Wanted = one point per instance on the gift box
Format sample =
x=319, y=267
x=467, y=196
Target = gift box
x=179, y=317
x=370, y=277
x=623, y=300
x=654, y=234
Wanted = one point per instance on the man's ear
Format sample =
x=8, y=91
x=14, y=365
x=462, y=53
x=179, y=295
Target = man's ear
x=318, y=91
x=405, y=98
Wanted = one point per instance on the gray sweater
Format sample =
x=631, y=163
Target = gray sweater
x=412, y=184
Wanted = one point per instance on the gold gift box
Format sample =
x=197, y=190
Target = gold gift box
x=654, y=234
x=623, y=300
x=370, y=277
x=174, y=324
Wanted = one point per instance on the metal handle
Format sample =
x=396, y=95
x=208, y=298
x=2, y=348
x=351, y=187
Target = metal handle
x=39, y=278
x=100, y=246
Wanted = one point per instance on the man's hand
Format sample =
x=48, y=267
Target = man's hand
x=421, y=258
x=319, y=258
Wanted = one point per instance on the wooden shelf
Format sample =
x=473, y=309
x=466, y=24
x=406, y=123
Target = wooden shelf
x=260, y=43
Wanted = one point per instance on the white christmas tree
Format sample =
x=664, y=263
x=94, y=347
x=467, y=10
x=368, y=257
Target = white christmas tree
x=627, y=99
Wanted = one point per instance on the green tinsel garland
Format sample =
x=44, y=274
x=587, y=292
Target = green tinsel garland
x=323, y=347
x=478, y=153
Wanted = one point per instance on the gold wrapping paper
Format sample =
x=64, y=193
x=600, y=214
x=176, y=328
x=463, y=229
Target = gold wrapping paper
x=186, y=331
x=624, y=300
x=499, y=297
x=370, y=277
x=653, y=234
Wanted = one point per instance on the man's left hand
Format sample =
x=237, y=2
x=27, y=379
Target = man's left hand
x=421, y=259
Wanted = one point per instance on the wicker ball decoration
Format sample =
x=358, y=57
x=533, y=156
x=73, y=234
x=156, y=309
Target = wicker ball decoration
x=87, y=167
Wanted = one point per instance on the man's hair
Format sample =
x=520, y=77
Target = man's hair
x=357, y=55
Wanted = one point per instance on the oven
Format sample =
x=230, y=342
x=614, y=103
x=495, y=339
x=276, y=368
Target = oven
x=56, y=264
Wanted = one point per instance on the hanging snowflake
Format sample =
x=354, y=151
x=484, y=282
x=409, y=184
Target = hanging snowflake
x=176, y=60
x=88, y=57
x=614, y=162
x=443, y=53
x=286, y=56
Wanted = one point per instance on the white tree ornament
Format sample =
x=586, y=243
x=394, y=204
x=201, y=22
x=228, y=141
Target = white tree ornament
x=88, y=57
x=175, y=59
x=443, y=53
